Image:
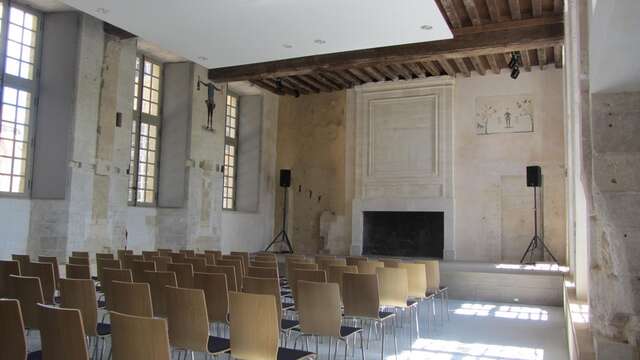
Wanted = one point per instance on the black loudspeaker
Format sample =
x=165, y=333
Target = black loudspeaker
x=285, y=177
x=534, y=176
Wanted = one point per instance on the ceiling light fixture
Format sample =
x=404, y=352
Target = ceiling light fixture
x=203, y=58
x=102, y=11
x=287, y=46
x=426, y=27
x=514, y=65
x=319, y=41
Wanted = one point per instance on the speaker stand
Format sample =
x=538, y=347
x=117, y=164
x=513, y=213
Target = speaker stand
x=536, y=241
x=282, y=236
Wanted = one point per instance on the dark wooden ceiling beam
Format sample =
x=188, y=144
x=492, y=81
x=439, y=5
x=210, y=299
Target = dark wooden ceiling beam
x=472, y=10
x=542, y=58
x=401, y=71
x=285, y=89
x=336, y=79
x=303, y=85
x=493, y=64
x=315, y=83
x=321, y=79
x=478, y=65
x=374, y=73
x=360, y=74
x=387, y=74
x=264, y=85
x=464, y=45
x=526, y=60
x=290, y=84
x=416, y=70
x=444, y=63
x=558, y=7
x=452, y=14
x=462, y=66
x=557, y=56
x=514, y=8
x=350, y=77
x=494, y=12
x=432, y=69
x=536, y=8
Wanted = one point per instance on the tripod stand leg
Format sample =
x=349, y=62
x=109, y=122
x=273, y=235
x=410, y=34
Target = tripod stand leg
x=275, y=240
x=548, y=251
x=529, y=248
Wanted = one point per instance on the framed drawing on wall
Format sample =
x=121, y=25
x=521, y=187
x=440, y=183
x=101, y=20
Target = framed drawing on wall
x=504, y=114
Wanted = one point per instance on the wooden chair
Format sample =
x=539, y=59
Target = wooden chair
x=139, y=268
x=105, y=263
x=306, y=275
x=361, y=301
x=391, y=263
x=177, y=257
x=188, y=323
x=270, y=258
x=319, y=258
x=44, y=271
x=266, y=286
x=84, y=254
x=326, y=263
x=148, y=255
x=292, y=266
x=295, y=257
x=184, y=274
x=434, y=287
x=108, y=277
x=417, y=284
x=12, y=339
x=77, y=272
x=320, y=313
x=335, y=274
x=216, y=294
x=237, y=265
x=255, y=330
x=369, y=267
x=228, y=271
x=198, y=264
x=236, y=257
x=263, y=272
x=122, y=253
x=62, y=333
x=140, y=338
x=393, y=289
x=80, y=294
x=264, y=264
x=28, y=291
x=131, y=298
x=7, y=268
x=164, y=252
x=353, y=260
x=127, y=263
x=104, y=256
x=217, y=254
x=161, y=262
x=158, y=281
x=24, y=261
x=56, y=268
x=187, y=253
x=79, y=260
x=245, y=259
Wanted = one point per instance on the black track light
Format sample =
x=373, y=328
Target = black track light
x=515, y=72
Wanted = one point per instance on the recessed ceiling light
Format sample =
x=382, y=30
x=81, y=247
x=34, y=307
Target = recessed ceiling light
x=319, y=41
x=102, y=10
x=203, y=58
x=426, y=27
x=287, y=46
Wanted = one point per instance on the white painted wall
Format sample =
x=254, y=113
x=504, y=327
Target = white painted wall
x=14, y=223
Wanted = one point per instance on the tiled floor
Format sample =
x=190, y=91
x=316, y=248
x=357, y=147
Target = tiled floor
x=475, y=331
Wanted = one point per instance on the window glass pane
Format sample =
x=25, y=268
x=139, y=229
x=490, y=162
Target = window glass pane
x=5, y=165
x=5, y=183
x=14, y=126
x=17, y=184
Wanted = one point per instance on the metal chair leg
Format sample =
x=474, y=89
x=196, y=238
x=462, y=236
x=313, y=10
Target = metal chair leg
x=395, y=342
x=361, y=344
x=382, y=349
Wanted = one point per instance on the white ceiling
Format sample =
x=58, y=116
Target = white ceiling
x=218, y=33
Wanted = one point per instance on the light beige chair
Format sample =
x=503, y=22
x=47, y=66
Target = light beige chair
x=177, y=258
x=306, y=275
x=320, y=314
x=62, y=333
x=393, y=289
x=199, y=264
x=139, y=338
x=369, y=267
x=325, y=263
x=56, y=267
x=187, y=253
x=43, y=271
x=108, y=277
x=295, y=257
x=264, y=264
x=139, y=269
x=236, y=262
x=161, y=262
x=102, y=264
x=127, y=262
x=77, y=272
x=255, y=331
x=164, y=252
x=270, y=286
x=435, y=288
x=320, y=258
x=188, y=323
x=122, y=253
x=149, y=255
x=28, y=291
x=362, y=301
x=262, y=257
x=104, y=256
x=216, y=294
x=392, y=263
x=7, y=268
x=24, y=261
x=184, y=274
x=416, y=275
x=354, y=260
x=12, y=339
x=79, y=260
x=158, y=281
x=245, y=259
x=229, y=271
x=83, y=254
x=263, y=272
x=217, y=254
x=131, y=298
x=335, y=274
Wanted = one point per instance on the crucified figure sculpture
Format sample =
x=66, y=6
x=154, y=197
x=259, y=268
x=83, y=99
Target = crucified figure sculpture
x=211, y=105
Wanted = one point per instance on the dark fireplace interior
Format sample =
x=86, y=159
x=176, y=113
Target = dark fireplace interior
x=403, y=233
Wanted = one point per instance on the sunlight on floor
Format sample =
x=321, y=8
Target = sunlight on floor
x=448, y=350
x=579, y=313
x=536, y=267
x=503, y=311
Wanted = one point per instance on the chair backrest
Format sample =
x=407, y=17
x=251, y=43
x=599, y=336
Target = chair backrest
x=305, y=275
x=320, y=258
x=245, y=259
x=110, y=275
x=335, y=274
x=326, y=263
x=393, y=287
x=81, y=295
x=77, y=272
x=131, y=298
x=56, y=268
x=164, y=252
x=293, y=257
x=236, y=257
x=148, y=255
x=210, y=259
x=103, y=263
x=7, y=268
x=177, y=257
x=264, y=286
x=263, y=272
x=432, y=269
x=84, y=254
x=216, y=294
x=62, y=333
x=254, y=326
x=12, y=340
x=262, y=257
x=161, y=262
x=294, y=265
x=158, y=280
x=104, y=256
x=188, y=253
x=417, y=279
x=44, y=271
x=391, y=263
x=217, y=254
x=24, y=261
x=187, y=318
x=28, y=291
x=353, y=260
x=369, y=267
x=122, y=253
x=79, y=260
x=318, y=306
x=127, y=263
x=184, y=274
x=264, y=264
x=140, y=338
x=139, y=268
x=198, y=263
x=229, y=271
x=360, y=297
x=237, y=265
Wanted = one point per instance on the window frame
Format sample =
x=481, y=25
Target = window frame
x=32, y=86
x=139, y=118
x=235, y=143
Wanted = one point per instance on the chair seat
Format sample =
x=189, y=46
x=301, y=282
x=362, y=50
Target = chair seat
x=411, y=302
x=384, y=315
x=443, y=288
x=217, y=345
x=98, y=288
x=57, y=299
x=288, y=305
x=103, y=329
x=102, y=304
x=291, y=354
x=36, y=355
x=286, y=324
x=346, y=331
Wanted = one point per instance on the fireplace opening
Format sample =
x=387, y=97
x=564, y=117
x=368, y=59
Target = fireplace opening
x=403, y=233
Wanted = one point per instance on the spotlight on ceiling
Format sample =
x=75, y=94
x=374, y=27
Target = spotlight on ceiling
x=279, y=84
x=515, y=72
x=426, y=27
x=102, y=11
x=287, y=46
x=514, y=65
x=319, y=41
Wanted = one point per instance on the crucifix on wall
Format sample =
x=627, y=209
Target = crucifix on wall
x=211, y=105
